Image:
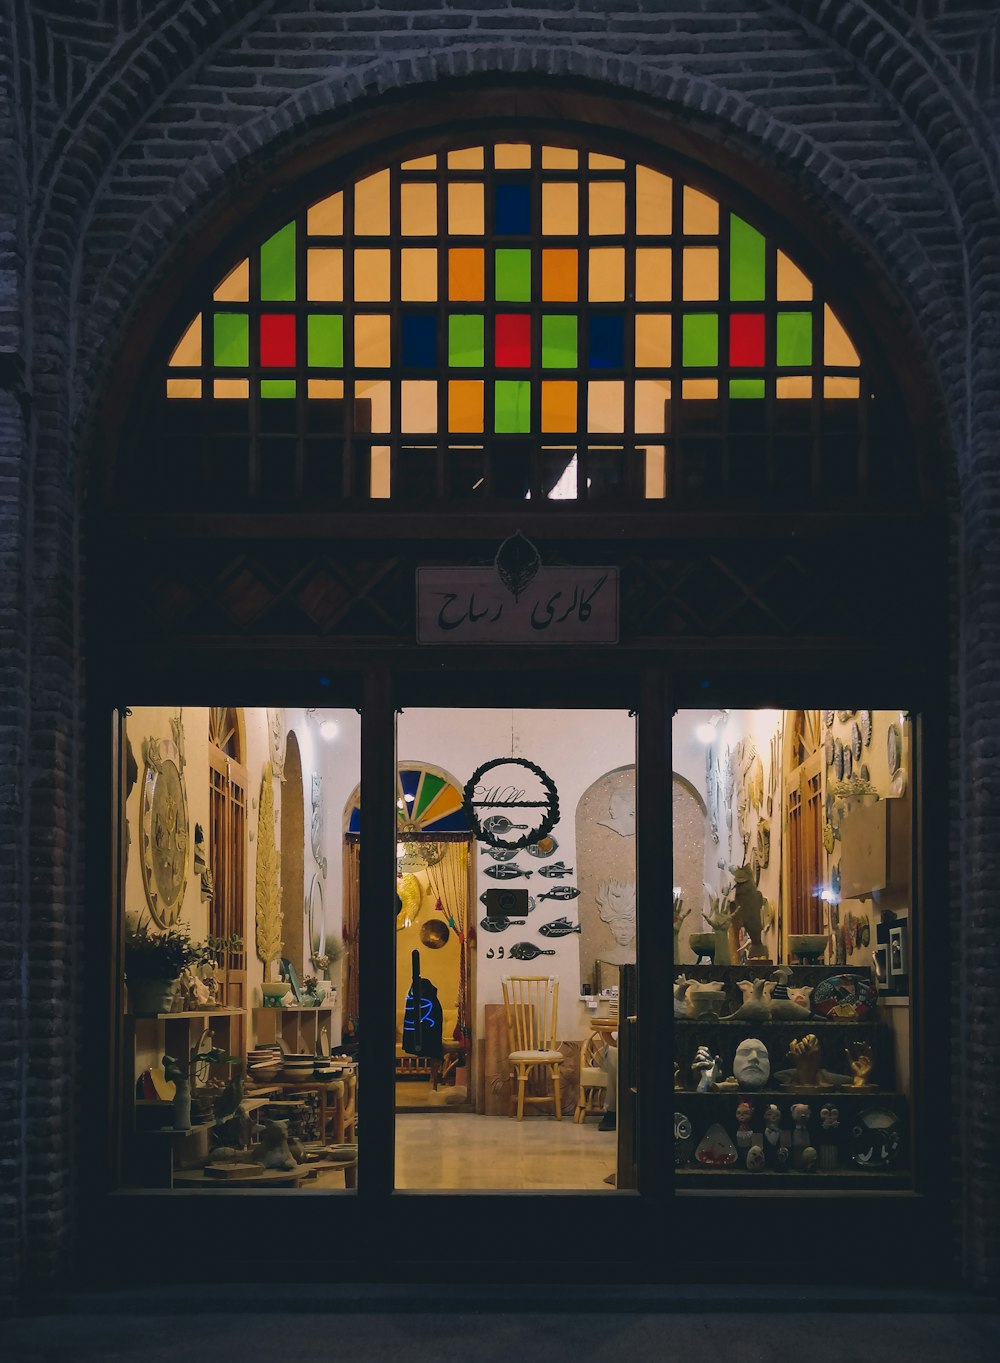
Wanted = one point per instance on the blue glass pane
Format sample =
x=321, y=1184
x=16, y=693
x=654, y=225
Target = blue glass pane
x=451, y=823
x=355, y=825
x=419, y=342
x=607, y=343
x=409, y=780
x=512, y=213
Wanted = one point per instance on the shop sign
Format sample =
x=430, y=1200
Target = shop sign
x=560, y=606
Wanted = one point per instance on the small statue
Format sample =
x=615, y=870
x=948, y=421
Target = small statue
x=861, y=1062
x=808, y=1157
x=805, y=1052
x=748, y=911
x=829, y=1141
x=679, y=918
x=801, y=1112
x=681, y=985
x=273, y=1151
x=772, y=1134
x=756, y=1005
x=193, y=991
x=751, y=1064
x=707, y=1067
x=704, y=996
x=789, y=1003
x=719, y=918
x=744, y=1115
x=755, y=1159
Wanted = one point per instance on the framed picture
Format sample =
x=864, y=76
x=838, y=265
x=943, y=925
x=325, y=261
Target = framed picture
x=880, y=958
x=898, y=964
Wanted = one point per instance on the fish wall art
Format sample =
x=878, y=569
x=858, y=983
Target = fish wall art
x=503, y=870
x=559, y=927
x=560, y=892
x=555, y=870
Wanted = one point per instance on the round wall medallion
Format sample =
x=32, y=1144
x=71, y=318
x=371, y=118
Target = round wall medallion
x=532, y=808
x=164, y=827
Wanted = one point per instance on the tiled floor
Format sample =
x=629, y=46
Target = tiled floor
x=463, y=1150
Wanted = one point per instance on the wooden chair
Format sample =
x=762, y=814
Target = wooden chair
x=531, y=1005
x=593, y=1080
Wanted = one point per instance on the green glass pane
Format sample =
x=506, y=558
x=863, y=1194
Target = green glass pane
x=277, y=388
x=558, y=342
x=746, y=261
x=465, y=339
x=277, y=265
x=432, y=784
x=795, y=342
x=512, y=410
x=231, y=339
x=701, y=338
x=325, y=339
x=513, y=276
x=746, y=388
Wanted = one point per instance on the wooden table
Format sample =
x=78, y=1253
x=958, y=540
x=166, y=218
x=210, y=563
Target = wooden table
x=338, y=1087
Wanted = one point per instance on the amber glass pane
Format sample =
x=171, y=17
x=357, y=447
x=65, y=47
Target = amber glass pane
x=652, y=340
x=420, y=163
x=465, y=406
x=606, y=406
x=379, y=474
x=560, y=209
x=607, y=274
x=466, y=158
x=558, y=406
x=607, y=208
x=656, y=471
x=653, y=202
x=700, y=388
x=418, y=282
x=326, y=218
x=466, y=277
x=419, y=404
x=376, y=393
x=795, y=386
x=701, y=273
x=598, y=161
x=840, y=387
x=651, y=396
x=187, y=352
x=183, y=388
x=465, y=210
x=326, y=388
x=371, y=206
x=559, y=276
x=325, y=275
x=231, y=388
x=792, y=284
x=371, y=341
x=235, y=288
x=837, y=347
x=652, y=275
x=701, y=213
x=560, y=158
x=418, y=209
x=371, y=276
x=512, y=156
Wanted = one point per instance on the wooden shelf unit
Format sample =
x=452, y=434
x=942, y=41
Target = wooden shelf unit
x=298, y=1027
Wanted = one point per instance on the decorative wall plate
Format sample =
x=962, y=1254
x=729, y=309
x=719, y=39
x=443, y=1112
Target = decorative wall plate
x=501, y=853
x=898, y=783
x=828, y=750
x=848, y=764
x=864, y=773
x=163, y=821
x=866, y=727
x=849, y=997
x=876, y=1138
x=316, y=918
x=894, y=748
x=856, y=741
x=544, y=847
x=838, y=758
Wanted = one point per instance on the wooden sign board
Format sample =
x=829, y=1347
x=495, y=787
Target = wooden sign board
x=560, y=606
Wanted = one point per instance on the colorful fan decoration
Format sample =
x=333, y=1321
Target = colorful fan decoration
x=427, y=802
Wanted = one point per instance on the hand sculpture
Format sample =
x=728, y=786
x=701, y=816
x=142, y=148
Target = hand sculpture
x=805, y=1052
x=861, y=1063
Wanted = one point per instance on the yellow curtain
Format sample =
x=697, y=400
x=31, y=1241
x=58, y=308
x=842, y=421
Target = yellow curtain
x=449, y=882
x=349, y=974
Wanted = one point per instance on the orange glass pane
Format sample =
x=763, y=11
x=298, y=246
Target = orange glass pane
x=512, y=156
x=379, y=471
x=235, y=288
x=326, y=218
x=231, y=388
x=465, y=210
x=187, y=352
x=792, y=284
x=560, y=209
x=837, y=346
x=559, y=276
x=374, y=394
x=834, y=387
x=371, y=276
x=465, y=406
x=466, y=274
x=420, y=163
x=560, y=158
x=656, y=471
x=652, y=340
x=419, y=405
x=653, y=202
x=701, y=273
x=598, y=161
x=325, y=275
x=326, y=388
x=371, y=206
x=651, y=397
x=418, y=209
x=701, y=213
x=418, y=275
x=371, y=341
x=700, y=388
x=606, y=274
x=795, y=386
x=558, y=406
x=606, y=406
x=466, y=158
x=183, y=388
x=653, y=281
x=607, y=208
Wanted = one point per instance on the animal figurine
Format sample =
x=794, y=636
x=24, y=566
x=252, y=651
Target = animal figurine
x=273, y=1151
x=704, y=996
x=748, y=911
x=755, y=1159
x=756, y=1005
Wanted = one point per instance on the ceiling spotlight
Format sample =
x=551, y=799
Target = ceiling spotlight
x=708, y=730
x=329, y=728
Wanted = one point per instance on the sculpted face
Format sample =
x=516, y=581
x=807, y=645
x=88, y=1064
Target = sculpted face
x=751, y=1065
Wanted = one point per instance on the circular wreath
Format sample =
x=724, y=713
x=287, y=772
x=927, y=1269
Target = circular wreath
x=549, y=820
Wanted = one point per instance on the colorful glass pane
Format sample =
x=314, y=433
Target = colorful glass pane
x=325, y=339
x=558, y=406
x=606, y=342
x=465, y=406
x=559, y=276
x=512, y=406
x=746, y=339
x=559, y=342
x=277, y=266
x=794, y=339
x=512, y=341
x=513, y=275
x=231, y=339
x=747, y=251
x=277, y=340
x=465, y=340
x=701, y=339
x=419, y=341
x=466, y=278
x=512, y=210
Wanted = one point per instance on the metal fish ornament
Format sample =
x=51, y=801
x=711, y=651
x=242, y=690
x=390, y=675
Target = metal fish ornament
x=559, y=927
x=555, y=869
x=527, y=951
x=500, y=853
x=500, y=924
x=559, y=892
x=531, y=901
x=499, y=823
x=503, y=870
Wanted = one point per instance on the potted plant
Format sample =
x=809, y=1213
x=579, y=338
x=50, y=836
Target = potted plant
x=153, y=964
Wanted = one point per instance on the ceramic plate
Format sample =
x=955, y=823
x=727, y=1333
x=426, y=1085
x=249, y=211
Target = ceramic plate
x=544, y=847
x=866, y=727
x=848, y=764
x=856, y=741
x=838, y=758
x=828, y=750
x=845, y=997
x=876, y=1138
x=894, y=748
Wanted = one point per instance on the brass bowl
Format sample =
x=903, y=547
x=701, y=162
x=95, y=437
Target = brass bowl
x=434, y=934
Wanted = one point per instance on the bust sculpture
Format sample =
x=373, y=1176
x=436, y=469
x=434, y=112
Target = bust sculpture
x=751, y=1064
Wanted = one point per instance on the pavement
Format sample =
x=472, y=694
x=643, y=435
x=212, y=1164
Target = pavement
x=359, y=1323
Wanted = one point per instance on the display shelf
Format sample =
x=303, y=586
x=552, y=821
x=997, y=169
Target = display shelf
x=195, y=1013
x=298, y=1028
x=803, y=1024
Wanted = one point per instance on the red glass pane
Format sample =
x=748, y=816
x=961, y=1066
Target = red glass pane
x=513, y=341
x=746, y=339
x=277, y=339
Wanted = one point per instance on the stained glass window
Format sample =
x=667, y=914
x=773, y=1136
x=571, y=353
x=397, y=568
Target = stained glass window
x=517, y=291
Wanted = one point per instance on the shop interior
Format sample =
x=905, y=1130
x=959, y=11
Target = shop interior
x=791, y=893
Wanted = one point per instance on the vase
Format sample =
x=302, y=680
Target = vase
x=151, y=996
x=272, y=992
x=182, y=1105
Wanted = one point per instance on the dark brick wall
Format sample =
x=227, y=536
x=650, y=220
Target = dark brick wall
x=125, y=123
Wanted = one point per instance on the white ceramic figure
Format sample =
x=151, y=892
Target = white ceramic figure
x=273, y=1151
x=751, y=1064
x=706, y=1067
x=621, y=812
x=705, y=996
x=756, y=1005
x=681, y=985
